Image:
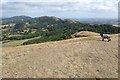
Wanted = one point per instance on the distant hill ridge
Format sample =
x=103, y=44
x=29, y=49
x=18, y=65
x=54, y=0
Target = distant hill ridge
x=49, y=28
x=15, y=19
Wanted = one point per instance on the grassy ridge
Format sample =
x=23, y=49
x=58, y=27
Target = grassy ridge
x=52, y=29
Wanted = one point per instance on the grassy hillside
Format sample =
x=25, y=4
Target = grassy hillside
x=49, y=29
x=74, y=58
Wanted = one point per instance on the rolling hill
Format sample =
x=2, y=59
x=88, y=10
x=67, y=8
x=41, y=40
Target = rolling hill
x=48, y=28
x=82, y=57
x=50, y=47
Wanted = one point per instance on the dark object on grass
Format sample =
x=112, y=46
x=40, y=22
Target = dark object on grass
x=105, y=36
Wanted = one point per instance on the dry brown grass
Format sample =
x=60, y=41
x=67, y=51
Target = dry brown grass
x=86, y=57
x=85, y=34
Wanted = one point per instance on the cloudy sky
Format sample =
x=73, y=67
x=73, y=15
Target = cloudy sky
x=61, y=8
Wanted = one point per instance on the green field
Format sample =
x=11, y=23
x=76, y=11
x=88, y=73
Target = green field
x=15, y=42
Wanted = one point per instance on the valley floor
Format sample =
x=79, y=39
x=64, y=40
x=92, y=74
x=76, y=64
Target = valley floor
x=79, y=57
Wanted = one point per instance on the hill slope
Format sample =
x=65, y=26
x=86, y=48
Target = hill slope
x=48, y=28
x=15, y=19
x=86, y=57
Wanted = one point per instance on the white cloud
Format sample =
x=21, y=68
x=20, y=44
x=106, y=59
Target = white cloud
x=60, y=6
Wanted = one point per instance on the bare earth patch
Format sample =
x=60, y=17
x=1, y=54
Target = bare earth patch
x=87, y=57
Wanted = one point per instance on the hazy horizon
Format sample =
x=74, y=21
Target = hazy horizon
x=112, y=21
x=59, y=17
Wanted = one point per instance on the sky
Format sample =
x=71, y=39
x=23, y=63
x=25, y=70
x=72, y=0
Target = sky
x=60, y=8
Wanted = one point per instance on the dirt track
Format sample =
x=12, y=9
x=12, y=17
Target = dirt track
x=80, y=57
